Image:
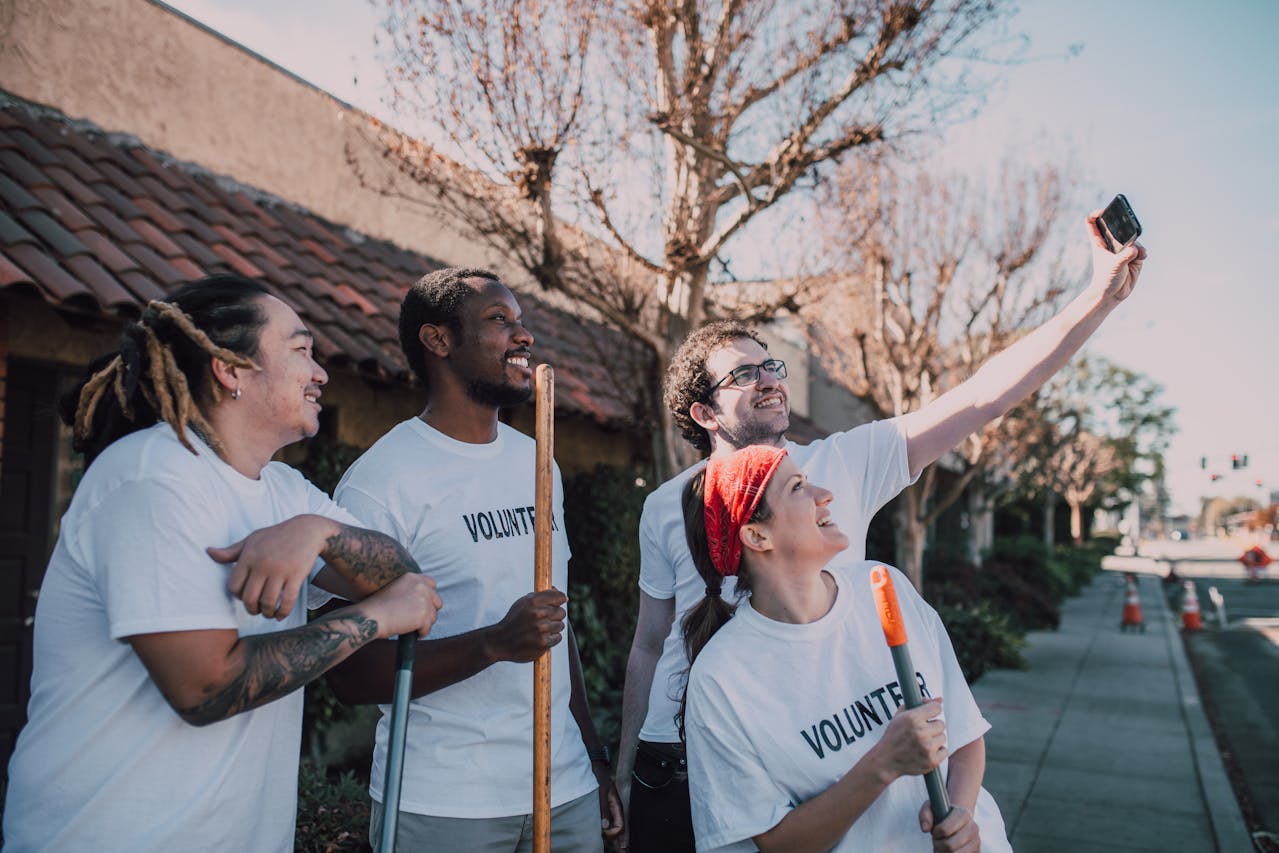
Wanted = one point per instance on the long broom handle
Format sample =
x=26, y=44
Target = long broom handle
x=405, y=648
x=545, y=436
x=890, y=619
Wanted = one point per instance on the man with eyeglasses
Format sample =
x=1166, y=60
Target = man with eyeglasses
x=725, y=392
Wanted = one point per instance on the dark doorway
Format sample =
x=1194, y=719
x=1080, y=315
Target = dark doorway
x=30, y=476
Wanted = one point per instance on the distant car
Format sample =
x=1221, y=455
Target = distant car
x=1180, y=535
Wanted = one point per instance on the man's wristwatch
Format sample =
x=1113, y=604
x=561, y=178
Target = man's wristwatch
x=598, y=755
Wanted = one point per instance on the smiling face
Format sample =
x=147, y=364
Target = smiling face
x=284, y=393
x=492, y=355
x=799, y=525
x=737, y=417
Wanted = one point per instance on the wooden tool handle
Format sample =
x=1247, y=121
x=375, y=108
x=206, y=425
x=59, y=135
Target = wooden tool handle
x=544, y=432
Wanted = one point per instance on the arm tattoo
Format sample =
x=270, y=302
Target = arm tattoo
x=279, y=663
x=368, y=557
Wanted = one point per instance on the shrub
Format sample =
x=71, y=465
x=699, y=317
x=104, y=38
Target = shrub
x=324, y=464
x=1079, y=564
x=333, y=812
x=982, y=639
x=602, y=510
x=1000, y=585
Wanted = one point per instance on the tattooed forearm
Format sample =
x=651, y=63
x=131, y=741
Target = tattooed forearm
x=368, y=558
x=275, y=665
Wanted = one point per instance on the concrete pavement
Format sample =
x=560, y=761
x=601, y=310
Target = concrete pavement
x=1102, y=744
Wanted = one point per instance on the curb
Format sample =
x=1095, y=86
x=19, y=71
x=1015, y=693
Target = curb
x=1228, y=826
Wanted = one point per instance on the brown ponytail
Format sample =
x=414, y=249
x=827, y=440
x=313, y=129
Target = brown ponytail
x=706, y=617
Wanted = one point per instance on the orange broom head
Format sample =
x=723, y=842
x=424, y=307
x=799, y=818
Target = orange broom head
x=890, y=614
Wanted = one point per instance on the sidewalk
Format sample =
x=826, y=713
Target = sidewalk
x=1102, y=744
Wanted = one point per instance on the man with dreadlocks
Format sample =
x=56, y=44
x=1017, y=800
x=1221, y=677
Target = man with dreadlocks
x=137, y=620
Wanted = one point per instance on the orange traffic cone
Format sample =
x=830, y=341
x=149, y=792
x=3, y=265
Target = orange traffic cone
x=1132, y=608
x=1190, y=618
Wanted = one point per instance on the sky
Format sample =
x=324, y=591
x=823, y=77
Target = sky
x=1173, y=103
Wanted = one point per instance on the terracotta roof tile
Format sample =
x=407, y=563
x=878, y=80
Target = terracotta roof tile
x=115, y=227
x=142, y=286
x=319, y=251
x=107, y=251
x=188, y=268
x=59, y=239
x=17, y=166
x=14, y=197
x=158, y=267
x=63, y=209
x=166, y=172
x=72, y=186
x=162, y=193
x=198, y=251
x=236, y=261
x=11, y=231
x=11, y=273
x=50, y=277
x=91, y=219
x=117, y=180
x=119, y=203
x=159, y=215
x=108, y=291
x=155, y=238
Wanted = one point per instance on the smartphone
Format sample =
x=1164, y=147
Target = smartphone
x=1118, y=224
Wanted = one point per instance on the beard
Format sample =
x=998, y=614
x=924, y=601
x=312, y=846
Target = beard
x=496, y=394
x=754, y=432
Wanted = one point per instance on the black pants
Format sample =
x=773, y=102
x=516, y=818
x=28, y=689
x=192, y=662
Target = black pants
x=661, y=819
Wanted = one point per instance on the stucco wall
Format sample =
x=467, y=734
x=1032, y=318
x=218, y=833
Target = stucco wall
x=134, y=67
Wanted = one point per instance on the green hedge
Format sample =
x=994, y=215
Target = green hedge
x=601, y=511
x=333, y=812
x=982, y=639
x=988, y=609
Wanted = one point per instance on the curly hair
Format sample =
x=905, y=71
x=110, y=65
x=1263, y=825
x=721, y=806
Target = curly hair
x=687, y=380
x=434, y=299
x=160, y=368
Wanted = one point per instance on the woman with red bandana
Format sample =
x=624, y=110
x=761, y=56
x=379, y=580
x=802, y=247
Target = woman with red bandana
x=798, y=738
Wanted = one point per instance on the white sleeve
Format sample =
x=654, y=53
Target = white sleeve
x=657, y=567
x=369, y=512
x=145, y=543
x=733, y=796
x=871, y=458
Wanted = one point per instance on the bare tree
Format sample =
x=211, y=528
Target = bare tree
x=947, y=276
x=617, y=152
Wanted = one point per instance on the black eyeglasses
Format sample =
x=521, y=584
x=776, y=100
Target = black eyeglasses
x=748, y=374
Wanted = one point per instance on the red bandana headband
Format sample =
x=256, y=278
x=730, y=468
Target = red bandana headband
x=732, y=490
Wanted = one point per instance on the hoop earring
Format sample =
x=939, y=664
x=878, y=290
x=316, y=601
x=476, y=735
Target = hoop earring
x=235, y=394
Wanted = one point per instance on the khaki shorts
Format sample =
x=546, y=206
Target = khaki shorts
x=575, y=828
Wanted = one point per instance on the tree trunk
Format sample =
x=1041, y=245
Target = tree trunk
x=1076, y=522
x=1050, y=518
x=981, y=524
x=911, y=534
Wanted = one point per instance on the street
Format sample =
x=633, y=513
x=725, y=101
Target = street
x=1236, y=666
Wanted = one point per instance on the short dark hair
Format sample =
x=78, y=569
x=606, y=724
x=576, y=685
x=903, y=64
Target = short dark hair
x=687, y=380
x=434, y=299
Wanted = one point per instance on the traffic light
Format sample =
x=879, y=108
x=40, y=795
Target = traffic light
x=1234, y=461
x=1214, y=477
x=1203, y=462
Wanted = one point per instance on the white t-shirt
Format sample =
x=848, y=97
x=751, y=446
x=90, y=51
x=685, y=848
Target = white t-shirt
x=105, y=763
x=778, y=712
x=864, y=467
x=465, y=512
